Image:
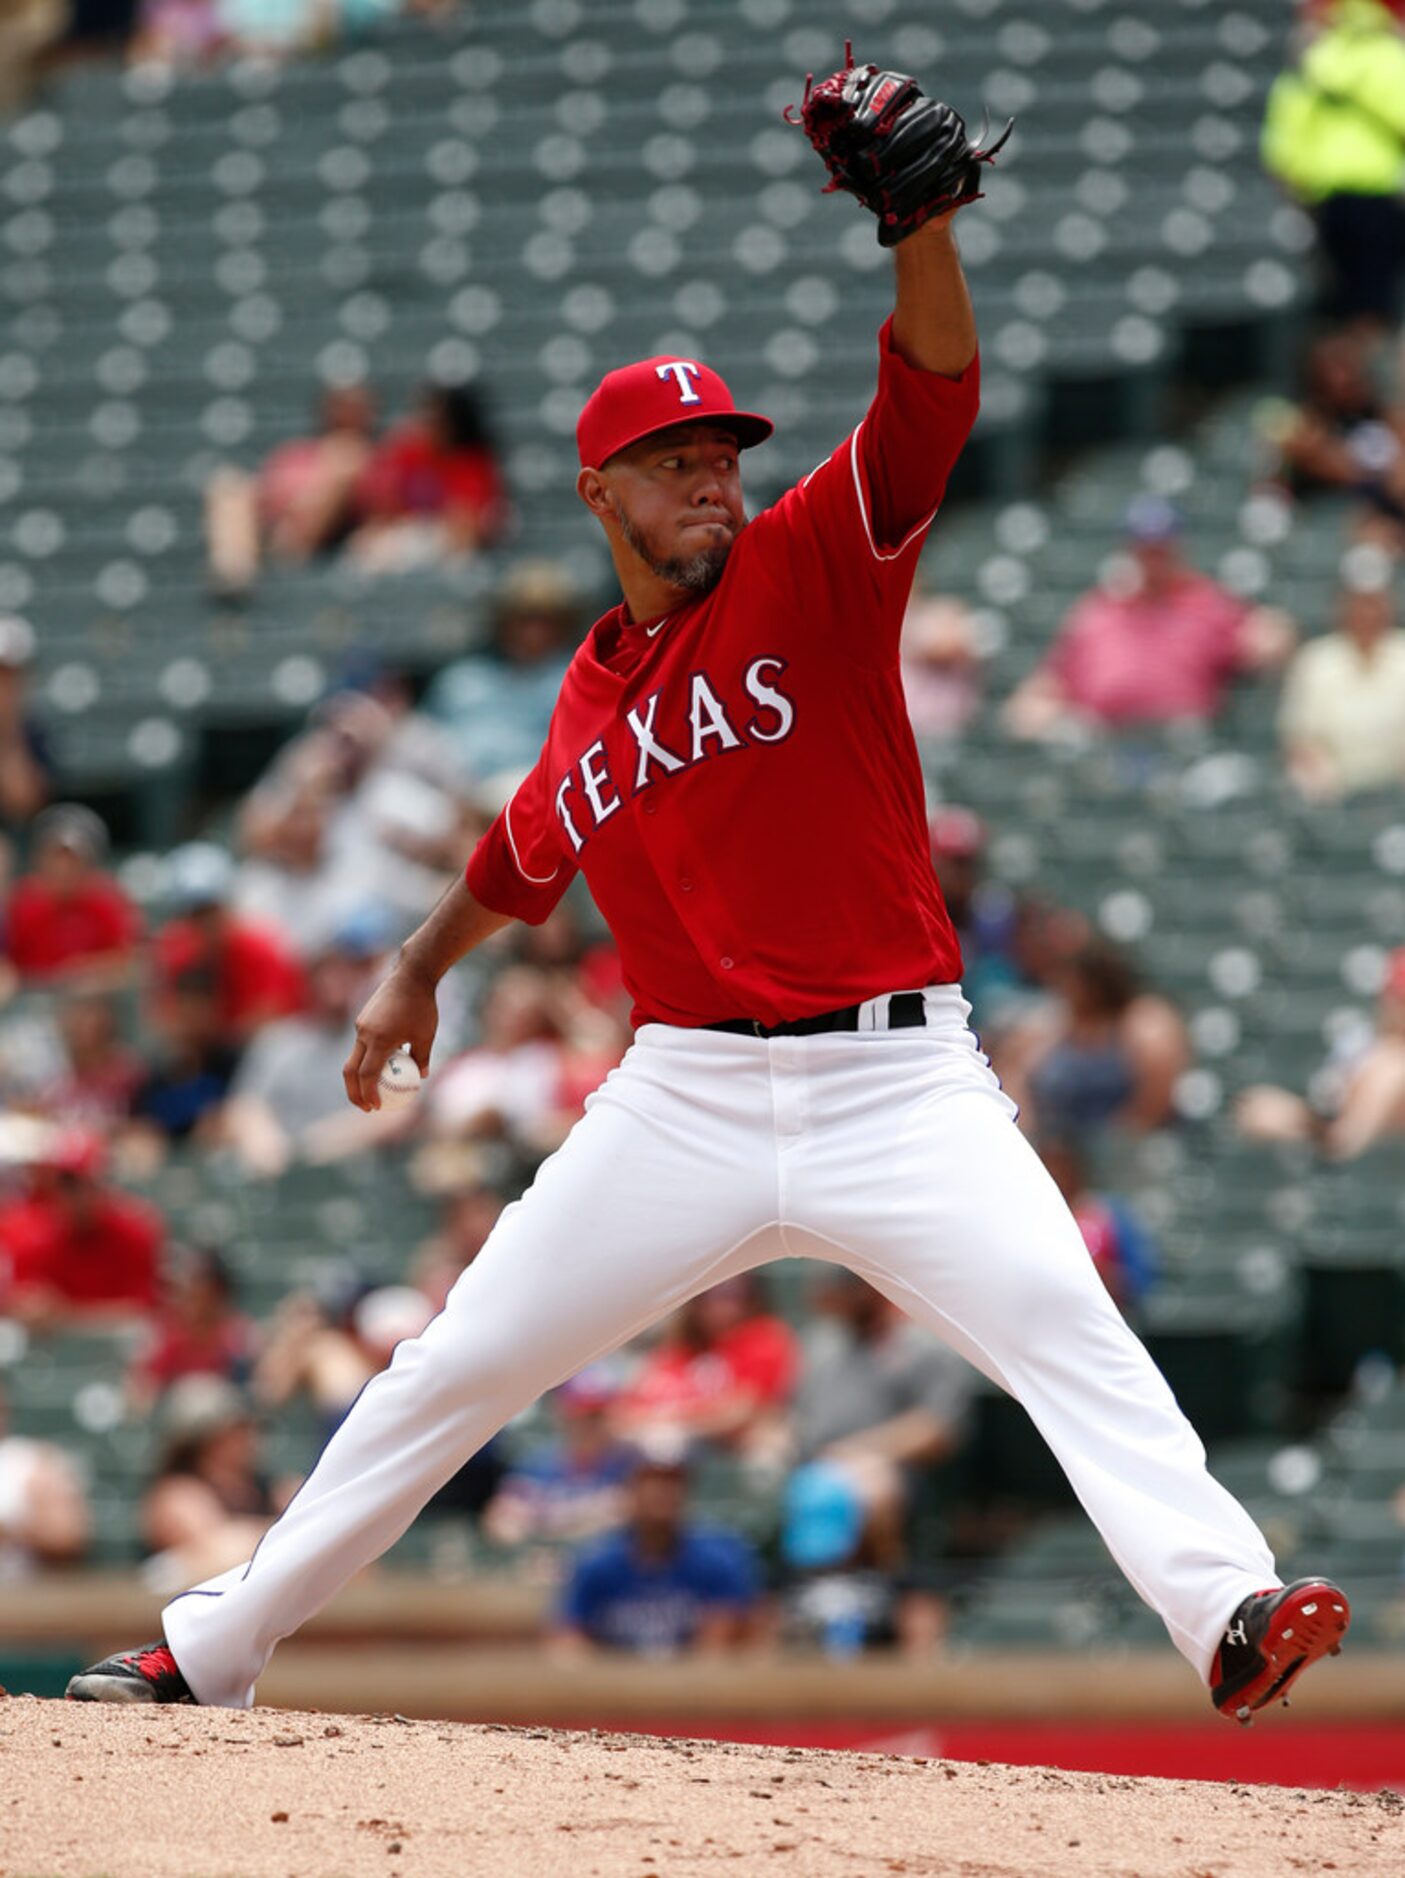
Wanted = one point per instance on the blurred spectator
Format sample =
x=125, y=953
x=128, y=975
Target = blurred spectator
x=941, y=667
x=189, y=34
x=1342, y=719
x=1359, y=1099
x=181, y=1098
x=270, y=29
x=185, y=34
x=360, y=812
x=578, y=965
x=469, y=1217
x=44, y=1517
x=723, y=1372
x=879, y=1398
x=663, y=1584
x=1157, y=641
x=1335, y=136
x=1011, y=944
x=433, y=487
x=327, y=1349
x=301, y=501
x=290, y=880
x=28, y=30
x=66, y=916
x=197, y=1330
x=100, y=1074
x=211, y=1501
x=1106, y=1052
x=75, y=1249
x=834, y=1596
x=255, y=974
x=538, y=1057
x=986, y=917
x=494, y=707
x=1118, y=1243
x=313, y=1349
x=287, y=1100
x=573, y=1485
x=1341, y=437
x=25, y=775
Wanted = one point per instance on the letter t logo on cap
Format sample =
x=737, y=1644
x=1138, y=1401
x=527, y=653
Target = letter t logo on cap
x=682, y=372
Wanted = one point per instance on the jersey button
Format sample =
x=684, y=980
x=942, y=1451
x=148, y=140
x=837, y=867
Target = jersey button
x=726, y=964
x=685, y=885
x=651, y=806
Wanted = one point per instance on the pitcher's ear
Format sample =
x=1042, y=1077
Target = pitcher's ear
x=590, y=487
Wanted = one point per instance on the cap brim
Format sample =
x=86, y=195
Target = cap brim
x=749, y=426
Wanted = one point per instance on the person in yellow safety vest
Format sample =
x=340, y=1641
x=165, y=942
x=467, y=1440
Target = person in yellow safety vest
x=1334, y=133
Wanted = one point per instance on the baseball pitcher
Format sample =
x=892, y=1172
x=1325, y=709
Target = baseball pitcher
x=731, y=768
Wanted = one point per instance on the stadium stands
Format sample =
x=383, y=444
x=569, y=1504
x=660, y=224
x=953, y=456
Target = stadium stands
x=529, y=195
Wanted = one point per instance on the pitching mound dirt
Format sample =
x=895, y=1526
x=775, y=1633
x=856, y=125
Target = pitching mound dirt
x=195, y=1793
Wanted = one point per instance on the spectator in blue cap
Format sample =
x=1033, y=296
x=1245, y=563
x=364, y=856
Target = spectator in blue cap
x=1154, y=642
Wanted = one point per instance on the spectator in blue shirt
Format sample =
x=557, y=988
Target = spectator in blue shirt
x=662, y=1584
x=494, y=707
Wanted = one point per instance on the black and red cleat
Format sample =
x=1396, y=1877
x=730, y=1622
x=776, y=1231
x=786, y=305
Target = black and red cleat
x=146, y=1675
x=1271, y=1639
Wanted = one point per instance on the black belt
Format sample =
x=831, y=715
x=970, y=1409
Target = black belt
x=907, y=1010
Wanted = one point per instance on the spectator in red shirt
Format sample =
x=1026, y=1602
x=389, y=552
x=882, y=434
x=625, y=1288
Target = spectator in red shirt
x=1157, y=641
x=256, y=975
x=198, y=1330
x=432, y=488
x=723, y=1373
x=74, y=1249
x=66, y=916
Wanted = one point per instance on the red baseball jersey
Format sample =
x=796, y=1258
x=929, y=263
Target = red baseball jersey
x=738, y=781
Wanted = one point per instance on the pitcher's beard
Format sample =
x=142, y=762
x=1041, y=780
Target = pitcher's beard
x=698, y=574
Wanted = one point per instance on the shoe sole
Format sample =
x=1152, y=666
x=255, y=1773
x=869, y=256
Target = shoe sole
x=1305, y=1628
x=92, y=1688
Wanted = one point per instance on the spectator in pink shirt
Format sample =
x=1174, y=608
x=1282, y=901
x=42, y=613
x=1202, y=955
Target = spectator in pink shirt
x=300, y=503
x=1157, y=641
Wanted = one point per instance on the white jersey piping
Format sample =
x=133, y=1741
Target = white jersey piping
x=537, y=880
x=912, y=534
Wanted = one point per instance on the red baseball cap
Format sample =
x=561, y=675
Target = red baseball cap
x=655, y=394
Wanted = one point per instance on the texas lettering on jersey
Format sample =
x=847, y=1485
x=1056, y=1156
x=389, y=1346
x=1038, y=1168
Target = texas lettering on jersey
x=738, y=782
x=705, y=729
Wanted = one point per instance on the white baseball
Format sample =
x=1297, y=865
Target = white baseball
x=399, y=1080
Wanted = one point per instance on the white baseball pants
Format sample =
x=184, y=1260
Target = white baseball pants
x=893, y=1152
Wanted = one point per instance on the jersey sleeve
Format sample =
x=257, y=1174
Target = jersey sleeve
x=521, y=867
x=852, y=530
